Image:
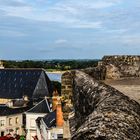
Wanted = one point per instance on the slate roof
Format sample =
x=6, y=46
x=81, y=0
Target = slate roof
x=50, y=119
x=41, y=107
x=4, y=110
x=15, y=83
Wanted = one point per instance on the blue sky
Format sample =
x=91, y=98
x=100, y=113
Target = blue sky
x=68, y=29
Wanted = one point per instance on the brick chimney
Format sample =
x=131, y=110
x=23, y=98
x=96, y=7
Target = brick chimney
x=56, y=105
x=59, y=114
x=54, y=100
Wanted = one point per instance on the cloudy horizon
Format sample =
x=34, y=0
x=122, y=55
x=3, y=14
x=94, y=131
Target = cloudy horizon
x=68, y=29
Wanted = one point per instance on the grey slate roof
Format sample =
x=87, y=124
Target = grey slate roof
x=41, y=107
x=15, y=83
x=50, y=119
x=4, y=110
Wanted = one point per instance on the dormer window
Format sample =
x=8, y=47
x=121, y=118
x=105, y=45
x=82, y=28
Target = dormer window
x=10, y=104
x=25, y=98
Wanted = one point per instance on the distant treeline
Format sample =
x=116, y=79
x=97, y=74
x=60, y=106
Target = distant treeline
x=51, y=64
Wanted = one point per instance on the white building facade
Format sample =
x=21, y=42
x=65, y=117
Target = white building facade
x=2, y=125
x=31, y=128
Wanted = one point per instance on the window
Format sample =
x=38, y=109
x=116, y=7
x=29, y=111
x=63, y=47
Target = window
x=59, y=136
x=17, y=120
x=10, y=121
x=2, y=133
x=2, y=122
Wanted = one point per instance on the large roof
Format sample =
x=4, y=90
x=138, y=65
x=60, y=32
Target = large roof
x=41, y=107
x=15, y=83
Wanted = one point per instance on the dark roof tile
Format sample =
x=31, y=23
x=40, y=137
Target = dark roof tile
x=15, y=83
x=50, y=119
x=41, y=107
x=4, y=110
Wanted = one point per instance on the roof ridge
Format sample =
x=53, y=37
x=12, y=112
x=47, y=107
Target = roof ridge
x=35, y=105
x=46, y=101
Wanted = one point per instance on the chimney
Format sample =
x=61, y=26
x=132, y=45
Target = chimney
x=54, y=100
x=56, y=105
x=59, y=114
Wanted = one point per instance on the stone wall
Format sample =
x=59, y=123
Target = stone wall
x=97, y=111
x=111, y=67
x=102, y=112
x=67, y=86
x=67, y=92
x=98, y=73
x=119, y=67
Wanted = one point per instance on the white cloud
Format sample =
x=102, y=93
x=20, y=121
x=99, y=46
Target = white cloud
x=131, y=40
x=13, y=3
x=61, y=41
x=19, y=12
x=68, y=13
x=95, y=4
x=87, y=25
x=10, y=33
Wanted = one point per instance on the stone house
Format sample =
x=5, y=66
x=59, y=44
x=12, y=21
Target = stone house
x=20, y=90
x=12, y=120
x=2, y=125
x=15, y=124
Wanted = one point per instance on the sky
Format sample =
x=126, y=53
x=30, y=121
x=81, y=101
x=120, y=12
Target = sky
x=68, y=29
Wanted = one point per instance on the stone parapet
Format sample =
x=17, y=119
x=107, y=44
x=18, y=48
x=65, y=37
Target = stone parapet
x=119, y=67
x=82, y=93
x=102, y=112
